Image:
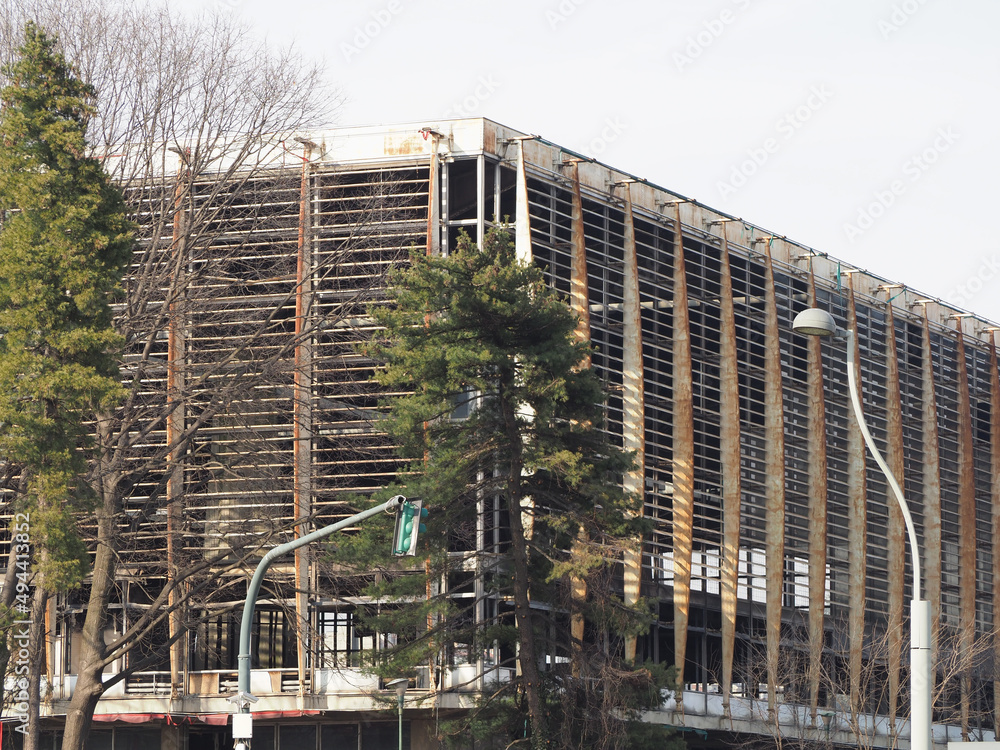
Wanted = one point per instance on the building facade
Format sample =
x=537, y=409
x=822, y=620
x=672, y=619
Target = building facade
x=778, y=564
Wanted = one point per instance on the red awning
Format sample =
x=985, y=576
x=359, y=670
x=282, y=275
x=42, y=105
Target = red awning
x=128, y=718
x=211, y=719
x=266, y=715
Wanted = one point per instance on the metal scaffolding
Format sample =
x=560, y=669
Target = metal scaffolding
x=776, y=560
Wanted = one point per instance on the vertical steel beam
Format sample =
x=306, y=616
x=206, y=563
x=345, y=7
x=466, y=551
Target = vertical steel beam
x=524, y=254
x=857, y=526
x=522, y=209
x=434, y=199
x=966, y=530
x=175, y=425
x=633, y=406
x=995, y=510
x=896, y=526
x=729, y=418
x=579, y=290
x=682, y=447
x=774, y=484
x=481, y=209
x=433, y=249
x=580, y=303
x=932, y=487
x=817, y=507
x=302, y=416
x=49, y=633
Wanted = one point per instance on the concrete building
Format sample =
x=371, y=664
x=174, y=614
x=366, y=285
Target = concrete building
x=778, y=563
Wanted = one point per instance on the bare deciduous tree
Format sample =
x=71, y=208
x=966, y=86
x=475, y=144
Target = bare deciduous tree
x=198, y=123
x=867, y=722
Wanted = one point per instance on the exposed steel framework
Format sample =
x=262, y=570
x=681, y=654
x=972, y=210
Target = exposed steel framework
x=776, y=565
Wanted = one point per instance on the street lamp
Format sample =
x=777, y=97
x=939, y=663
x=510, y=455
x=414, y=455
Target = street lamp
x=243, y=719
x=399, y=685
x=816, y=322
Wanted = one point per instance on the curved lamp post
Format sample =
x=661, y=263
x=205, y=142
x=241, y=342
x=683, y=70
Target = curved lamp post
x=816, y=322
x=399, y=685
x=243, y=719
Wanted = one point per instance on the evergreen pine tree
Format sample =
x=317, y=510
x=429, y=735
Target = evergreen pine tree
x=64, y=244
x=502, y=429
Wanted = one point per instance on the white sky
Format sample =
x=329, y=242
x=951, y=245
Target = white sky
x=861, y=128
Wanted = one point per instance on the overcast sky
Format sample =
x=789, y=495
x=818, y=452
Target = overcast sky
x=861, y=128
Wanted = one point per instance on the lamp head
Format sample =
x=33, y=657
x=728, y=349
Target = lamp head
x=815, y=322
x=399, y=685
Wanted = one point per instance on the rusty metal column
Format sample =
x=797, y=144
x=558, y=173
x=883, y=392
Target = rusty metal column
x=857, y=522
x=175, y=425
x=49, y=633
x=682, y=448
x=774, y=436
x=580, y=304
x=896, y=527
x=524, y=254
x=579, y=290
x=302, y=415
x=995, y=508
x=433, y=249
x=817, y=507
x=633, y=407
x=729, y=419
x=433, y=199
x=932, y=487
x=522, y=207
x=966, y=530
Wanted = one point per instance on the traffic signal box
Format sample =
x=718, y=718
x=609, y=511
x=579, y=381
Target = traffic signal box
x=408, y=527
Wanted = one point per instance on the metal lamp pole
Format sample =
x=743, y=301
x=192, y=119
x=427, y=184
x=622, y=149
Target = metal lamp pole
x=816, y=322
x=243, y=697
x=399, y=685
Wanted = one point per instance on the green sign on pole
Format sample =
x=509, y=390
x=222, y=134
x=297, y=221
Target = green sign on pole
x=408, y=527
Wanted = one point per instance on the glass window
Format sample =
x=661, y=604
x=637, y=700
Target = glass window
x=490, y=192
x=296, y=738
x=98, y=739
x=384, y=735
x=338, y=737
x=263, y=738
x=341, y=642
x=462, y=199
x=508, y=200
x=136, y=739
x=273, y=642
x=215, y=646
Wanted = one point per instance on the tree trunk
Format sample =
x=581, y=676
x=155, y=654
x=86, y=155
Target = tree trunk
x=527, y=656
x=6, y=603
x=93, y=651
x=36, y=666
x=81, y=712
